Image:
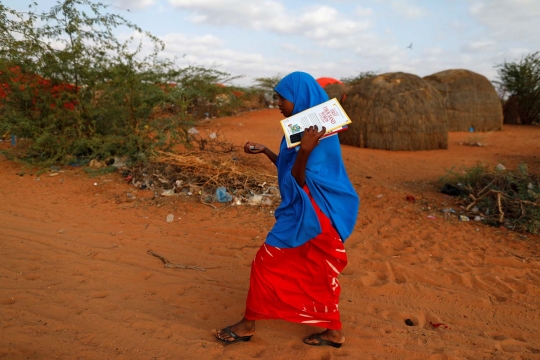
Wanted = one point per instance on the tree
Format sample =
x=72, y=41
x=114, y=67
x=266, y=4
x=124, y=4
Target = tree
x=521, y=81
x=268, y=83
x=350, y=81
x=77, y=91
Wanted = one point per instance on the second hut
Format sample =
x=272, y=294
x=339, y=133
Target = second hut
x=395, y=111
x=471, y=101
x=334, y=88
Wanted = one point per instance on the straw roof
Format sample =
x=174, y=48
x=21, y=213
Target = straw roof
x=395, y=111
x=336, y=90
x=470, y=100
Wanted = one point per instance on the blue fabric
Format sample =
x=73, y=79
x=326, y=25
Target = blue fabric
x=326, y=178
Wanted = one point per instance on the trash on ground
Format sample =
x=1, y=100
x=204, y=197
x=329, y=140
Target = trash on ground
x=410, y=199
x=451, y=190
x=439, y=325
x=222, y=195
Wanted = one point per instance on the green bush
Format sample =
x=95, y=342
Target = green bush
x=96, y=96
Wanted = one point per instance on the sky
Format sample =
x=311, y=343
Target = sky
x=253, y=39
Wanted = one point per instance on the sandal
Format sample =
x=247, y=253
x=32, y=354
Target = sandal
x=320, y=341
x=235, y=338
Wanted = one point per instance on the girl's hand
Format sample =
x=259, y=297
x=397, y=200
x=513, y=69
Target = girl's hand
x=253, y=148
x=311, y=138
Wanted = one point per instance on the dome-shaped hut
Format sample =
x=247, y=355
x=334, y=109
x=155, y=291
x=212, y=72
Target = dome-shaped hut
x=395, y=111
x=470, y=100
x=333, y=88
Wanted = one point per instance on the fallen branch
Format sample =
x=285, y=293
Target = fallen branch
x=168, y=264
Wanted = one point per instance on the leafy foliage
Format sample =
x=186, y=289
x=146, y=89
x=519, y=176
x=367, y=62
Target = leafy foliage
x=353, y=80
x=521, y=80
x=268, y=83
x=73, y=89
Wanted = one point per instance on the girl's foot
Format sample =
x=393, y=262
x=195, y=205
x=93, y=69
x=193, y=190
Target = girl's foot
x=241, y=331
x=332, y=338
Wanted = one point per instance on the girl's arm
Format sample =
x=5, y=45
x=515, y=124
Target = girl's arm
x=310, y=140
x=254, y=148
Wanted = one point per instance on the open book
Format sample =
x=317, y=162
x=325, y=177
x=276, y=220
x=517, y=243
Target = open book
x=329, y=114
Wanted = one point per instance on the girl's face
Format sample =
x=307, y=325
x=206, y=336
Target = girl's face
x=285, y=106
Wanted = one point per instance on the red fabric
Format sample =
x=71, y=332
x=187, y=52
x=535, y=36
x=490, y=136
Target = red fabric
x=299, y=284
x=323, y=81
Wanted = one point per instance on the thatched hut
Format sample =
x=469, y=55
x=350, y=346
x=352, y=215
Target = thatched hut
x=471, y=101
x=338, y=91
x=334, y=88
x=395, y=111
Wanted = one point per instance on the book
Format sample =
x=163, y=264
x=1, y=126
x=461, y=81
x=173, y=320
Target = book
x=329, y=114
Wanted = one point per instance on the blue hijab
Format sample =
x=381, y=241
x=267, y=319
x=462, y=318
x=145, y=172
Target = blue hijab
x=326, y=178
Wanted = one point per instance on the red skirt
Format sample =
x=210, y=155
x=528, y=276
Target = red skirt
x=299, y=284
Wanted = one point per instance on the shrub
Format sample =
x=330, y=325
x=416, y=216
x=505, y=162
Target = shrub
x=499, y=196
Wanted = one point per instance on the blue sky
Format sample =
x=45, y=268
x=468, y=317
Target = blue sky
x=335, y=38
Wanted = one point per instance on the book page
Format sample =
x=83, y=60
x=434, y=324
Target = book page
x=329, y=114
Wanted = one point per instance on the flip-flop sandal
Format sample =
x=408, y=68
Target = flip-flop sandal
x=320, y=341
x=236, y=338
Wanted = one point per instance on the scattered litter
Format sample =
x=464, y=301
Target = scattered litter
x=451, y=190
x=53, y=174
x=431, y=217
x=463, y=218
x=379, y=196
x=62, y=231
x=222, y=195
x=500, y=167
x=95, y=184
x=477, y=218
x=170, y=218
x=255, y=200
x=193, y=131
x=448, y=210
x=439, y=325
x=169, y=192
x=119, y=162
x=96, y=164
x=410, y=199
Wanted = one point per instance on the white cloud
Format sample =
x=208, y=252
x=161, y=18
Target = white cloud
x=315, y=22
x=408, y=10
x=134, y=4
x=509, y=19
x=479, y=46
x=362, y=11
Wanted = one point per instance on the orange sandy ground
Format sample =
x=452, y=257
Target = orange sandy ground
x=76, y=281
